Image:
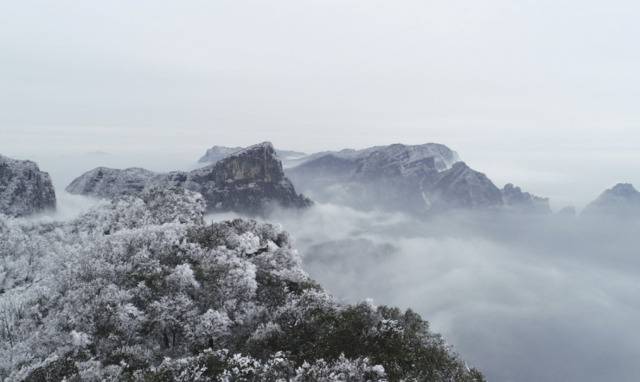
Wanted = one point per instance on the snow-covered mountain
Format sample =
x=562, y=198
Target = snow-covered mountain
x=417, y=179
x=250, y=181
x=24, y=189
x=402, y=157
x=622, y=200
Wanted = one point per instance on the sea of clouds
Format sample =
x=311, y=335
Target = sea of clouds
x=524, y=298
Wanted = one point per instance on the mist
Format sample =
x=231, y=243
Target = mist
x=523, y=298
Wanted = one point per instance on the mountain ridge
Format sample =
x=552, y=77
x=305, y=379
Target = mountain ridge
x=247, y=181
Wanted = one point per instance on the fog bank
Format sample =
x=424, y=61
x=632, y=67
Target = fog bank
x=522, y=298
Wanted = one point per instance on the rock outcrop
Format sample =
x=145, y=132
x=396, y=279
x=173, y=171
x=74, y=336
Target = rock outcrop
x=24, y=189
x=249, y=181
x=623, y=200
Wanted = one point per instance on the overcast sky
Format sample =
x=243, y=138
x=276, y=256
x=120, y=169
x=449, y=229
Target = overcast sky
x=544, y=93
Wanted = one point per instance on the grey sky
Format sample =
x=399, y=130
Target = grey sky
x=522, y=89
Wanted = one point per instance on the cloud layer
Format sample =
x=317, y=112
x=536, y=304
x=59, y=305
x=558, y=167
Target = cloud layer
x=522, y=298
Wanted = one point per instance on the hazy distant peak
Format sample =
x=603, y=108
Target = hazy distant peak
x=406, y=157
x=623, y=189
x=514, y=198
x=622, y=199
x=216, y=153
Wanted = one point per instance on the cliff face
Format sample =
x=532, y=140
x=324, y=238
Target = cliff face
x=248, y=181
x=24, y=189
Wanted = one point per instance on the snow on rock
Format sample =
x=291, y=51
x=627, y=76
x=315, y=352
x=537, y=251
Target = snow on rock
x=24, y=189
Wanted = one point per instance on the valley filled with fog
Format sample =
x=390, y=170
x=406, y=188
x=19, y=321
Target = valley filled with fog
x=521, y=297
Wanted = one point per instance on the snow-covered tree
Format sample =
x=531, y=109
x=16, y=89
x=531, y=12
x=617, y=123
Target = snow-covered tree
x=142, y=289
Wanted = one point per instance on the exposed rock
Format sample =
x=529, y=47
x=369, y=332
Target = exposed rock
x=623, y=200
x=514, y=198
x=24, y=189
x=247, y=181
x=250, y=181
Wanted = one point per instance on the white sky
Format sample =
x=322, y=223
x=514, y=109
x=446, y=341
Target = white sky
x=543, y=93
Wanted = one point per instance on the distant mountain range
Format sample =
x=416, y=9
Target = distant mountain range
x=418, y=179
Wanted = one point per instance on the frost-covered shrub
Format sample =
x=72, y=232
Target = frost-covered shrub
x=141, y=289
